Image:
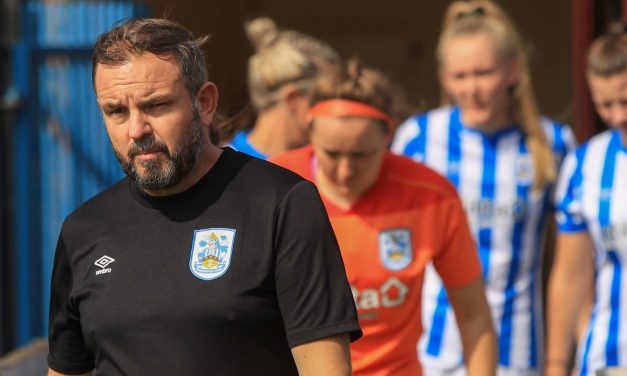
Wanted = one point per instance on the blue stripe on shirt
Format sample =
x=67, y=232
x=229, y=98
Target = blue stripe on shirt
x=417, y=146
x=571, y=192
x=505, y=336
x=533, y=329
x=559, y=144
x=488, y=188
x=434, y=344
x=607, y=182
x=575, y=183
x=611, y=347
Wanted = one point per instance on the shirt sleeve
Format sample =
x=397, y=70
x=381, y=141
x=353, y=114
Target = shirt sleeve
x=562, y=141
x=570, y=142
x=409, y=138
x=457, y=262
x=313, y=292
x=67, y=351
x=568, y=194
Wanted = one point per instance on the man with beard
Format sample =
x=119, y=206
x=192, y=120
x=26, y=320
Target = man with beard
x=200, y=261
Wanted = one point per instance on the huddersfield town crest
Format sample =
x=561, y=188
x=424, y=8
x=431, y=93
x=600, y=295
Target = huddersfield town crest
x=395, y=250
x=524, y=169
x=211, y=252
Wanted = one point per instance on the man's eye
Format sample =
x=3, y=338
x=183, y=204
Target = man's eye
x=158, y=105
x=115, y=111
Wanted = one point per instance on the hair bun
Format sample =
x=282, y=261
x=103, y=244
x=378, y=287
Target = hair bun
x=474, y=10
x=354, y=67
x=616, y=27
x=261, y=32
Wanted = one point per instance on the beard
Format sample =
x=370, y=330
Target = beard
x=158, y=173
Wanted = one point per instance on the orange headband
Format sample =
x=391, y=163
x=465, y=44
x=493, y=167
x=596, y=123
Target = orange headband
x=345, y=107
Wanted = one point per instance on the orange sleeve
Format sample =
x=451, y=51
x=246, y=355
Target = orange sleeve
x=457, y=261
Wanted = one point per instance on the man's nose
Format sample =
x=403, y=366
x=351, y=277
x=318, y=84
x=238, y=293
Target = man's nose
x=138, y=125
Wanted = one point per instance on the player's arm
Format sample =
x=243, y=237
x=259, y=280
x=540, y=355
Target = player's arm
x=52, y=372
x=549, y=255
x=570, y=285
x=475, y=327
x=327, y=356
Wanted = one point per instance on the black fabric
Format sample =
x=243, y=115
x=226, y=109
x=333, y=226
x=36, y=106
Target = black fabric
x=151, y=315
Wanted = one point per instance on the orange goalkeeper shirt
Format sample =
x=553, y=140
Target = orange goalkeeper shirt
x=409, y=217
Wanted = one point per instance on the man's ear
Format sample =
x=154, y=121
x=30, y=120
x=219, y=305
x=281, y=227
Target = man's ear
x=207, y=99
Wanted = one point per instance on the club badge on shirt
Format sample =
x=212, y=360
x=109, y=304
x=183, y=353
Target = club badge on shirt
x=395, y=250
x=211, y=252
x=524, y=169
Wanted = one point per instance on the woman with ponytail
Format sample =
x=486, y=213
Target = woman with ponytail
x=490, y=141
x=391, y=217
x=280, y=76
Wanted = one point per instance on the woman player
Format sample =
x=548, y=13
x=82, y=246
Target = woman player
x=391, y=217
x=280, y=76
x=592, y=239
x=502, y=156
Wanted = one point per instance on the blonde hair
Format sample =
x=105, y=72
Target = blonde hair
x=607, y=54
x=485, y=16
x=283, y=57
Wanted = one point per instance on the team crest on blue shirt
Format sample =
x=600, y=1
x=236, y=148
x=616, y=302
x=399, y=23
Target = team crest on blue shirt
x=524, y=169
x=211, y=252
x=395, y=250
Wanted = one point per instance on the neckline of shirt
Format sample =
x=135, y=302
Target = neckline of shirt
x=491, y=136
x=617, y=140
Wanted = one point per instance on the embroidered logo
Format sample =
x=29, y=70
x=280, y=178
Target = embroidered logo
x=395, y=250
x=211, y=252
x=103, y=262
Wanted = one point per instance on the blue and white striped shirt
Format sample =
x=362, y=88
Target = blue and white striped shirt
x=494, y=175
x=592, y=196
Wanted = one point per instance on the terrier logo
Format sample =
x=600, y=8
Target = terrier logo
x=211, y=252
x=395, y=250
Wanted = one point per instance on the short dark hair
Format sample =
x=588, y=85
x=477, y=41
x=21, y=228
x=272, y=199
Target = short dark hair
x=161, y=37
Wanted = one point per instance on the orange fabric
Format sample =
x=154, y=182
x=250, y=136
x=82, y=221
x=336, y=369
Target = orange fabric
x=417, y=201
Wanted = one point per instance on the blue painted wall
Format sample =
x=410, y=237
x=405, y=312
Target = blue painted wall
x=60, y=151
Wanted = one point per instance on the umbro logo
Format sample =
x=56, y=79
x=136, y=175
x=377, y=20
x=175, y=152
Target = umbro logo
x=103, y=262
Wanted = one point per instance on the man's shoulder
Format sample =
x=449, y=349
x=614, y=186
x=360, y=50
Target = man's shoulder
x=260, y=175
x=95, y=210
